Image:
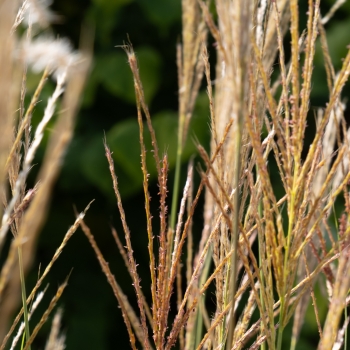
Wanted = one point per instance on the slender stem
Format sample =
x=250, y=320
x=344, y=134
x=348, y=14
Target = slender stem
x=346, y=330
x=345, y=309
x=235, y=230
x=226, y=301
x=280, y=329
x=24, y=294
x=174, y=202
x=263, y=345
x=203, y=279
x=177, y=173
x=285, y=269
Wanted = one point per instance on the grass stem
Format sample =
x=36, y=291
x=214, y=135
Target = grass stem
x=24, y=294
x=179, y=150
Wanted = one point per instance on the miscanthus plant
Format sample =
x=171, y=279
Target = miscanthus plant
x=260, y=253
x=24, y=209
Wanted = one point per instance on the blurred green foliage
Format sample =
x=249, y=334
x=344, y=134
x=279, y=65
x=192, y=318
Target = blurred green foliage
x=112, y=72
x=123, y=140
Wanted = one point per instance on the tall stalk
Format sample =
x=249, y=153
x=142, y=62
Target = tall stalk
x=24, y=295
x=176, y=187
x=263, y=345
x=235, y=224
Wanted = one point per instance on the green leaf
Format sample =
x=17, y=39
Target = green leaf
x=114, y=73
x=337, y=40
x=162, y=13
x=124, y=142
x=104, y=15
x=94, y=167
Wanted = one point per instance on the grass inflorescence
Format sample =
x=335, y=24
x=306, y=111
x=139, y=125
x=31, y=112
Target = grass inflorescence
x=266, y=246
x=256, y=118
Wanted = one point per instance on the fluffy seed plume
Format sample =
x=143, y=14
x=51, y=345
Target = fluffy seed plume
x=45, y=52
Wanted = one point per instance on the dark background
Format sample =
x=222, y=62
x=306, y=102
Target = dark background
x=92, y=319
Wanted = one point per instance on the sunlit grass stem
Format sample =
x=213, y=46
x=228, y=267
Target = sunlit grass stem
x=263, y=345
x=286, y=271
x=176, y=187
x=24, y=295
x=235, y=224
